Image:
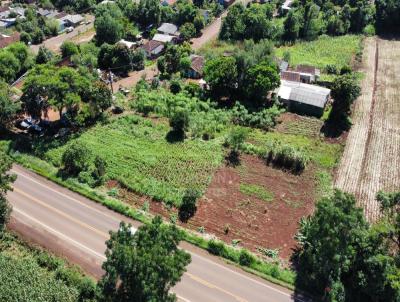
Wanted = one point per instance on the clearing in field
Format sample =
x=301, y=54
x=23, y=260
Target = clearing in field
x=371, y=160
x=334, y=51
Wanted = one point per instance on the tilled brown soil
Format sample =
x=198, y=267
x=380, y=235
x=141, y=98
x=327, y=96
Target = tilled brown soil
x=229, y=214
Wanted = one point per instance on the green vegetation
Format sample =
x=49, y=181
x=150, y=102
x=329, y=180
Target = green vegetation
x=326, y=51
x=341, y=257
x=256, y=191
x=323, y=154
x=143, y=266
x=139, y=157
x=32, y=275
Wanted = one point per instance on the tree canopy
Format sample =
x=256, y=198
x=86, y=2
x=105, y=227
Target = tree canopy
x=143, y=266
x=6, y=180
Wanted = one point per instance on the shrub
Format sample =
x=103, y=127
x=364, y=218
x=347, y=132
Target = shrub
x=216, y=248
x=286, y=156
x=188, y=205
x=76, y=158
x=46, y=260
x=236, y=138
x=245, y=258
x=263, y=119
x=179, y=121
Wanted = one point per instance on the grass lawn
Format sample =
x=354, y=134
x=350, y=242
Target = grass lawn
x=338, y=51
x=139, y=156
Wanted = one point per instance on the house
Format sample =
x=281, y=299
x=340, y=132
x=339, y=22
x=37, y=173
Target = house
x=72, y=20
x=6, y=40
x=196, y=67
x=291, y=76
x=164, y=38
x=168, y=29
x=303, y=98
x=153, y=48
x=308, y=74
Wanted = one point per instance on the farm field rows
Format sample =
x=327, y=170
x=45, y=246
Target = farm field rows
x=371, y=160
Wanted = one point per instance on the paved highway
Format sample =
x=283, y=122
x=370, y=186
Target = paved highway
x=76, y=228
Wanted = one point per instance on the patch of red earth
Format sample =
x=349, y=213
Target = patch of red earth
x=255, y=222
x=229, y=214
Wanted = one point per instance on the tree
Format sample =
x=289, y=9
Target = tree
x=188, y=206
x=108, y=29
x=144, y=266
x=291, y=26
x=179, y=122
x=187, y=31
x=339, y=257
x=345, y=90
x=387, y=16
x=100, y=96
x=260, y=79
x=44, y=55
x=8, y=107
x=149, y=12
x=68, y=49
x=9, y=66
x=221, y=75
x=76, y=158
x=6, y=179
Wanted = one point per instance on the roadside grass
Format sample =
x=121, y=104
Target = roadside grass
x=337, y=51
x=29, y=274
x=139, y=156
x=256, y=191
x=217, y=47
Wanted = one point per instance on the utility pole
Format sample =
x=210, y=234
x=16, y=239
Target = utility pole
x=111, y=78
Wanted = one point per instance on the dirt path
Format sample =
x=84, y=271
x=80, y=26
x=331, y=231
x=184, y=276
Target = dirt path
x=371, y=160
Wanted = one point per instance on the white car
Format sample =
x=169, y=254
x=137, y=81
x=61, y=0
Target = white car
x=69, y=29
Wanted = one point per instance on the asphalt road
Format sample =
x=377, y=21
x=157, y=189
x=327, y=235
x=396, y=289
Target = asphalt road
x=76, y=228
x=54, y=43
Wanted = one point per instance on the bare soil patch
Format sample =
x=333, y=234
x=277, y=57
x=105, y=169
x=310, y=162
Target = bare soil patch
x=229, y=214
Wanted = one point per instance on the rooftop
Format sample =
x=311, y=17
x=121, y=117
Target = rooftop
x=304, y=93
x=168, y=28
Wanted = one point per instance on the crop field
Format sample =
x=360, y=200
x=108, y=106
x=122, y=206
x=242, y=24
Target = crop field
x=371, y=160
x=28, y=275
x=338, y=51
x=139, y=156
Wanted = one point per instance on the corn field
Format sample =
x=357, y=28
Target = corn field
x=371, y=160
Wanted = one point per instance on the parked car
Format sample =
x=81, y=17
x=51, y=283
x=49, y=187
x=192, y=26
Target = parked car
x=69, y=29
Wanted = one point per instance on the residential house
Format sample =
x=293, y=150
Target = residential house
x=303, y=98
x=164, y=38
x=168, y=29
x=308, y=74
x=72, y=20
x=196, y=67
x=153, y=49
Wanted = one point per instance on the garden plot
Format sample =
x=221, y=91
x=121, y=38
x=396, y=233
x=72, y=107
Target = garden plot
x=371, y=160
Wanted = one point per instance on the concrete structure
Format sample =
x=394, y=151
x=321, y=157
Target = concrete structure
x=164, y=38
x=303, y=98
x=168, y=29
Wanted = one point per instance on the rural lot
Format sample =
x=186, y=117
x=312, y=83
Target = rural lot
x=371, y=158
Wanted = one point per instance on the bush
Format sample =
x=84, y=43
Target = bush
x=188, y=207
x=216, y=248
x=46, y=260
x=286, y=156
x=76, y=158
x=179, y=121
x=245, y=258
x=264, y=119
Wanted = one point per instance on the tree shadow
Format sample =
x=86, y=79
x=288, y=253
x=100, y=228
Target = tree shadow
x=174, y=136
x=233, y=158
x=335, y=128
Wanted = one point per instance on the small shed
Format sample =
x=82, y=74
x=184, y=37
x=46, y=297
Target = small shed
x=196, y=67
x=304, y=98
x=164, y=38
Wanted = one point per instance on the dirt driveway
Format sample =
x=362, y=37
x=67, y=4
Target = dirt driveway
x=371, y=160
